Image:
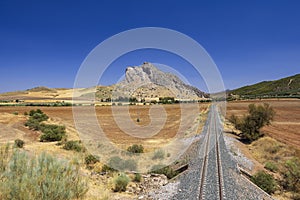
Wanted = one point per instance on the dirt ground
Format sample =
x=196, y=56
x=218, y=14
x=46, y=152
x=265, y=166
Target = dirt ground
x=12, y=125
x=286, y=125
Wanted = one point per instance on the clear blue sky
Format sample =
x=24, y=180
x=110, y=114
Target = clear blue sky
x=43, y=43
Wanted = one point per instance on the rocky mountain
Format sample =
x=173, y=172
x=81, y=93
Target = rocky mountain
x=147, y=81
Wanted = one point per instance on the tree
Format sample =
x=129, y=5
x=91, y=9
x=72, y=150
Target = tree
x=251, y=124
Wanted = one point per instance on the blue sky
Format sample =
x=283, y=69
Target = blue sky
x=43, y=43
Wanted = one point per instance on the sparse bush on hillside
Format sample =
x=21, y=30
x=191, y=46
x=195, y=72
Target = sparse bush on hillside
x=73, y=145
x=91, y=159
x=251, y=124
x=19, y=143
x=135, y=148
x=162, y=169
x=52, y=132
x=106, y=168
x=35, y=118
x=42, y=177
x=38, y=115
x=159, y=154
x=265, y=181
x=121, y=183
x=292, y=174
x=271, y=166
x=137, y=177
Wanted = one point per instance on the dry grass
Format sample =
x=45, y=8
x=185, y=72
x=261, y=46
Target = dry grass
x=12, y=127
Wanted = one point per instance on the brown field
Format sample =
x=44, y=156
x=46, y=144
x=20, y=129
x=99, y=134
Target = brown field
x=286, y=124
x=12, y=126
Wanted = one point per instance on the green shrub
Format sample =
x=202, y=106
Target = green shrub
x=292, y=174
x=159, y=154
x=52, y=132
x=162, y=169
x=32, y=124
x=35, y=118
x=137, y=177
x=271, y=166
x=73, y=145
x=135, y=148
x=15, y=113
x=38, y=115
x=265, y=181
x=121, y=183
x=91, y=159
x=19, y=143
x=42, y=177
x=106, y=168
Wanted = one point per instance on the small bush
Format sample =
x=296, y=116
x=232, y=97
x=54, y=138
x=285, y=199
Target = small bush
x=35, y=118
x=162, y=169
x=271, y=166
x=91, y=159
x=265, y=181
x=121, y=183
x=106, y=168
x=136, y=149
x=32, y=124
x=52, y=132
x=73, y=145
x=292, y=174
x=15, y=113
x=159, y=154
x=38, y=115
x=25, y=113
x=42, y=177
x=137, y=177
x=19, y=143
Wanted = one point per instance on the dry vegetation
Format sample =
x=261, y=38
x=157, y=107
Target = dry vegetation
x=12, y=127
x=278, y=147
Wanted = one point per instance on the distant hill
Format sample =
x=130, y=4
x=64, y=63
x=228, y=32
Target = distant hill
x=286, y=87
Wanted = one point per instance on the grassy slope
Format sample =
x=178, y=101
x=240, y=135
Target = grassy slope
x=286, y=86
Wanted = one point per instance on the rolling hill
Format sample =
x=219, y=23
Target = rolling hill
x=285, y=87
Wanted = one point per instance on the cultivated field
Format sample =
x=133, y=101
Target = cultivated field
x=12, y=125
x=286, y=124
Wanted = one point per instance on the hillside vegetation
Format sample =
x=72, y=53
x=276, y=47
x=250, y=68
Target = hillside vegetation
x=289, y=86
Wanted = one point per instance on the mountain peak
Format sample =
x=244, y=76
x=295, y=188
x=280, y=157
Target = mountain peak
x=151, y=78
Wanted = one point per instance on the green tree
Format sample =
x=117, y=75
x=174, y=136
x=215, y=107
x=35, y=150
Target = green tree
x=251, y=124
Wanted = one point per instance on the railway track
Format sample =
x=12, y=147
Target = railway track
x=211, y=183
